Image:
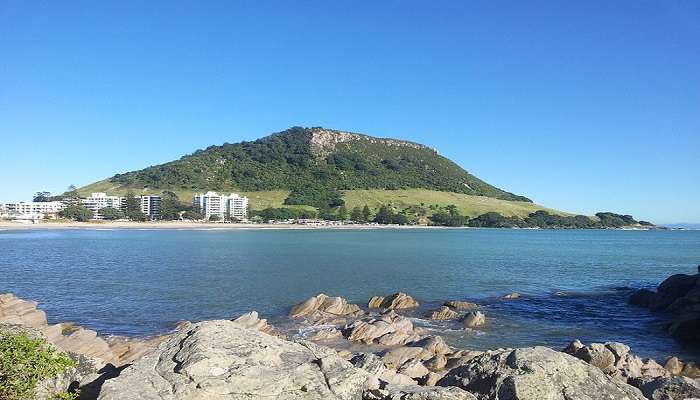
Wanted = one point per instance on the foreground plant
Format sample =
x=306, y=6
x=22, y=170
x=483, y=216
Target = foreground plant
x=26, y=361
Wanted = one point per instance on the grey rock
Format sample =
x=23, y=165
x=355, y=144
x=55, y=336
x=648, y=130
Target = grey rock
x=415, y=392
x=474, y=319
x=536, y=373
x=222, y=360
x=675, y=388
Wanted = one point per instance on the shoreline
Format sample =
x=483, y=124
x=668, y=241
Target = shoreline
x=181, y=225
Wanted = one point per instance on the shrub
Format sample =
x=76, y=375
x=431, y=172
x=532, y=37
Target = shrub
x=26, y=361
x=76, y=212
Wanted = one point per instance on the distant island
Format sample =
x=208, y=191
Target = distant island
x=324, y=175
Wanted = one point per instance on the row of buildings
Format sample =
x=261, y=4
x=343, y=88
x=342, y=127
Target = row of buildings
x=212, y=205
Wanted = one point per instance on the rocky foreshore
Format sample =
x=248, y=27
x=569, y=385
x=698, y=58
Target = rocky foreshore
x=247, y=358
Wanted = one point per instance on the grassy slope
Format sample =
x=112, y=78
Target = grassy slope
x=471, y=206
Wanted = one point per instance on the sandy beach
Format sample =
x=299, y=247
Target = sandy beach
x=6, y=225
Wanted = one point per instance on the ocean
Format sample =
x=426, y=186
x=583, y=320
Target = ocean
x=575, y=283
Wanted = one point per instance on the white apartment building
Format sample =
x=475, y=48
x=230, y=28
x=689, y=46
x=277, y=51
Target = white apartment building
x=225, y=207
x=98, y=201
x=31, y=209
x=150, y=205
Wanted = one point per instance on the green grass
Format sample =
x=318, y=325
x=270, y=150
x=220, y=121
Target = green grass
x=471, y=206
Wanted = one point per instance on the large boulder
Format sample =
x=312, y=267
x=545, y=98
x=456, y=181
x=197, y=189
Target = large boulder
x=461, y=305
x=443, y=313
x=222, y=360
x=324, y=307
x=414, y=392
x=616, y=360
x=388, y=329
x=679, y=297
x=675, y=388
x=396, y=301
x=536, y=373
x=474, y=319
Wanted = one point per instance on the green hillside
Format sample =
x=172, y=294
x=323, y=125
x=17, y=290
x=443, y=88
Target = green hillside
x=315, y=165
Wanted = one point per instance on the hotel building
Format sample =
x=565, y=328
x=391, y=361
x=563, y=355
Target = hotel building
x=226, y=207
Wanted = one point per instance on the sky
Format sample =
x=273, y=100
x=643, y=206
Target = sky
x=582, y=106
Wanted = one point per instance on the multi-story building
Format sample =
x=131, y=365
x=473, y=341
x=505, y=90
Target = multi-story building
x=225, y=207
x=98, y=201
x=150, y=205
x=32, y=209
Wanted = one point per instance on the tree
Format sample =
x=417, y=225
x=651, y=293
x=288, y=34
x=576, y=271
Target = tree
x=71, y=196
x=194, y=215
x=111, y=213
x=214, y=218
x=76, y=212
x=356, y=214
x=366, y=214
x=342, y=213
x=384, y=215
x=171, y=207
x=133, y=208
x=42, y=197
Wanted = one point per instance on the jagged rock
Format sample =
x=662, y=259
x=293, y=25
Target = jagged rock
x=396, y=357
x=414, y=369
x=436, y=363
x=474, y=319
x=674, y=366
x=616, y=360
x=326, y=334
x=72, y=338
x=443, y=313
x=461, y=305
x=252, y=320
x=431, y=379
x=387, y=329
x=415, y=392
x=323, y=307
x=394, y=378
x=222, y=360
x=128, y=350
x=598, y=356
x=691, y=370
x=536, y=373
x=675, y=388
x=15, y=311
x=512, y=296
x=397, y=301
x=433, y=345
x=461, y=358
x=369, y=362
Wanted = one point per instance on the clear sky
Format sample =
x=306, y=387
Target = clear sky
x=582, y=106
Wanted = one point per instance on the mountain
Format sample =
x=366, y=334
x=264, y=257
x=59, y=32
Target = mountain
x=304, y=159
x=317, y=167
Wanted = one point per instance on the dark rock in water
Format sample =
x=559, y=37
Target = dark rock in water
x=536, y=373
x=679, y=296
x=675, y=388
x=642, y=298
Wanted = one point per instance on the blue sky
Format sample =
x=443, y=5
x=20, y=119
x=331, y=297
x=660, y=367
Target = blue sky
x=583, y=107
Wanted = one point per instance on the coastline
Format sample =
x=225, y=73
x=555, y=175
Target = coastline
x=183, y=225
x=6, y=225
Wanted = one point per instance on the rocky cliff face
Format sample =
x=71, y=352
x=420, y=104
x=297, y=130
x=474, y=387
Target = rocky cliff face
x=324, y=141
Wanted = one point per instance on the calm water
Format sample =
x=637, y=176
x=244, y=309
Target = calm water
x=141, y=282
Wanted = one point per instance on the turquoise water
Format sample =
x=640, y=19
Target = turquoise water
x=142, y=282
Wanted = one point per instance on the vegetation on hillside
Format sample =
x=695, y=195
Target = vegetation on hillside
x=286, y=161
